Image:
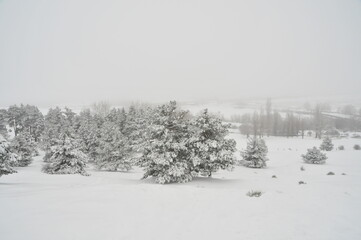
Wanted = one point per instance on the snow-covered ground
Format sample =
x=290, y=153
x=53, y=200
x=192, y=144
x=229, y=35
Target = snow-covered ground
x=117, y=205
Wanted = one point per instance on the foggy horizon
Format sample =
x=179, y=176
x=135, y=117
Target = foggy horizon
x=79, y=52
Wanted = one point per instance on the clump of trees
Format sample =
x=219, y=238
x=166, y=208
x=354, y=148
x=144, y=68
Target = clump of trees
x=178, y=148
x=319, y=119
x=168, y=143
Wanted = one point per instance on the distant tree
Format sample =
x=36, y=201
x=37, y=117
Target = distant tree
x=314, y=156
x=7, y=158
x=277, y=123
x=349, y=110
x=66, y=158
x=101, y=108
x=246, y=125
x=255, y=155
x=33, y=122
x=15, y=118
x=318, y=121
x=256, y=124
x=210, y=150
x=269, y=116
x=326, y=144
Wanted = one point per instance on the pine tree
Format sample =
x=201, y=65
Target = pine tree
x=88, y=132
x=114, y=151
x=23, y=145
x=135, y=125
x=255, y=154
x=66, y=158
x=7, y=158
x=314, y=156
x=3, y=123
x=326, y=144
x=210, y=151
x=165, y=155
x=55, y=123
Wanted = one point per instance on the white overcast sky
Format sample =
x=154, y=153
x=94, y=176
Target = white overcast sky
x=83, y=51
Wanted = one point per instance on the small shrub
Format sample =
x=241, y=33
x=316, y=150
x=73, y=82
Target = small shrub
x=255, y=155
x=254, y=193
x=357, y=147
x=302, y=168
x=327, y=144
x=330, y=173
x=314, y=156
x=274, y=176
x=341, y=148
x=343, y=174
x=301, y=182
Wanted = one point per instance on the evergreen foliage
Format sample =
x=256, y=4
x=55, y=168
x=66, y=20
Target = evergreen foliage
x=314, y=156
x=326, y=144
x=165, y=155
x=66, y=158
x=114, y=151
x=23, y=145
x=255, y=154
x=7, y=158
x=210, y=150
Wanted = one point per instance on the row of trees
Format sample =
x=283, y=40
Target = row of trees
x=168, y=143
x=270, y=122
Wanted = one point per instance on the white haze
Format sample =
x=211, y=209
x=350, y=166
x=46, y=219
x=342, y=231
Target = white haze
x=83, y=51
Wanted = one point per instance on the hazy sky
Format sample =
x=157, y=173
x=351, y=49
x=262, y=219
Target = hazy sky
x=83, y=51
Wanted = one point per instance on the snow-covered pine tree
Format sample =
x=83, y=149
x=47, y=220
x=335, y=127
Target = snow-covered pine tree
x=255, y=154
x=210, y=149
x=54, y=127
x=114, y=151
x=3, y=123
x=88, y=132
x=7, y=158
x=136, y=122
x=24, y=147
x=326, y=144
x=314, y=156
x=165, y=155
x=66, y=158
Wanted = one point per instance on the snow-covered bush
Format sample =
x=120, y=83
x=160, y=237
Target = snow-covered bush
x=254, y=193
x=341, y=148
x=210, y=150
x=314, y=156
x=24, y=146
x=165, y=155
x=7, y=158
x=357, y=147
x=255, y=155
x=66, y=158
x=326, y=144
x=114, y=152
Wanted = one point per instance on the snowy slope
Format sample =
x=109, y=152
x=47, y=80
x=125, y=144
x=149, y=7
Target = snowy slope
x=116, y=205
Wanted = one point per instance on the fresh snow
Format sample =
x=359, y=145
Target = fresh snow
x=118, y=205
